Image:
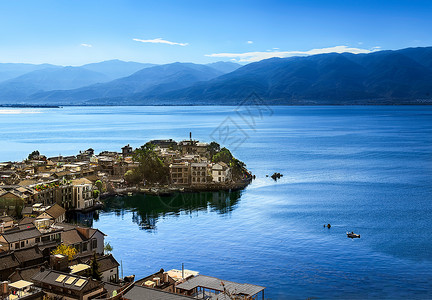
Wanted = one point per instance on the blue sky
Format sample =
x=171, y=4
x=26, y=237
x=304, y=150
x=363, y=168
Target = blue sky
x=78, y=32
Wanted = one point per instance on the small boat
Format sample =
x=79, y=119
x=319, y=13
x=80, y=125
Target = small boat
x=353, y=235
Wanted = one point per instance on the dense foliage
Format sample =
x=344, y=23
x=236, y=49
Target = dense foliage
x=34, y=155
x=238, y=167
x=65, y=250
x=151, y=168
x=94, y=272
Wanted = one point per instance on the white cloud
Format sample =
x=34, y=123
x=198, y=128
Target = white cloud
x=160, y=41
x=86, y=45
x=257, y=56
x=250, y=42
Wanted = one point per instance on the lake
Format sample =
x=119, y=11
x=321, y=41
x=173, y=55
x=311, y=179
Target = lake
x=361, y=169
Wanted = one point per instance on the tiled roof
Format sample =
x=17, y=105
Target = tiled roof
x=216, y=284
x=107, y=262
x=28, y=210
x=5, y=219
x=72, y=282
x=71, y=237
x=8, y=261
x=55, y=211
x=81, y=181
x=145, y=293
x=28, y=254
x=24, y=274
x=13, y=236
x=26, y=220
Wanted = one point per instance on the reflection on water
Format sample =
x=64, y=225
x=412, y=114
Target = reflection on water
x=147, y=209
x=85, y=219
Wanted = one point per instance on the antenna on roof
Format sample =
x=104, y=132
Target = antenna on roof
x=190, y=135
x=182, y=270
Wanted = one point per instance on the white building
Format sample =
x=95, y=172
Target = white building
x=221, y=172
x=82, y=193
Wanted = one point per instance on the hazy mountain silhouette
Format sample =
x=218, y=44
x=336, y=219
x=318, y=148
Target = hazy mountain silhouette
x=115, y=68
x=153, y=80
x=224, y=66
x=61, y=78
x=384, y=77
x=12, y=70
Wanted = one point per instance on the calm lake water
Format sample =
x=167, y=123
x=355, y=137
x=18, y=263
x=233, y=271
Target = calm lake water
x=362, y=169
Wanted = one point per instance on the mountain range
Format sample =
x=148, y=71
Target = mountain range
x=383, y=77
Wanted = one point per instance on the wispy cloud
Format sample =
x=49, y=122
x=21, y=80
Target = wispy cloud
x=250, y=42
x=86, y=45
x=257, y=56
x=160, y=41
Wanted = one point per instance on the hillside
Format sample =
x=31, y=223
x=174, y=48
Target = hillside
x=383, y=77
x=153, y=80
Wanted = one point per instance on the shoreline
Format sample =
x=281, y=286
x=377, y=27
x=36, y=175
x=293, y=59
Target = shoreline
x=170, y=190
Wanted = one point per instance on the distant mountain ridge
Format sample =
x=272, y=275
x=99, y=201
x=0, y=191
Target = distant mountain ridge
x=383, y=77
x=152, y=80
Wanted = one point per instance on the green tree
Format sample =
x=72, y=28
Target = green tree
x=213, y=148
x=151, y=168
x=238, y=167
x=65, y=250
x=96, y=194
x=35, y=154
x=108, y=248
x=99, y=185
x=94, y=269
x=132, y=176
x=224, y=155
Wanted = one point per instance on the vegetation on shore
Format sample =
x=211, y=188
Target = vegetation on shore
x=153, y=170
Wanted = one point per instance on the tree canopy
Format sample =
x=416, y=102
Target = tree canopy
x=151, y=168
x=34, y=155
x=65, y=250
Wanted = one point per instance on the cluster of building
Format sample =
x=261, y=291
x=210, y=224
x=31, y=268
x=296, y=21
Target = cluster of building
x=190, y=163
x=69, y=181
x=30, y=270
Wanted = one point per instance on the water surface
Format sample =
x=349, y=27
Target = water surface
x=362, y=169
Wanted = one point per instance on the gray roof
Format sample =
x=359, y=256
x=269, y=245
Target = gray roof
x=28, y=254
x=6, y=219
x=145, y=293
x=107, y=262
x=12, y=236
x=8, y=261
x=50, y=277
x=28, y=210
x=213, y=283
x=24, y=274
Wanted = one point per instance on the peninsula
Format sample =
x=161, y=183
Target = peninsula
x=77, y=183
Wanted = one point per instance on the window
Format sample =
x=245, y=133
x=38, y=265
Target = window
x=37, y=240
x=22, y=244
x=94, y=243
x=16, y=245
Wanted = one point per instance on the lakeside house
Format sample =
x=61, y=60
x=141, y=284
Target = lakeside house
x=70, y=181
x=29, y=270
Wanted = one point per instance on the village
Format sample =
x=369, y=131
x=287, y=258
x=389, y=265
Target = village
x=42, y=256
x=77, y=183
